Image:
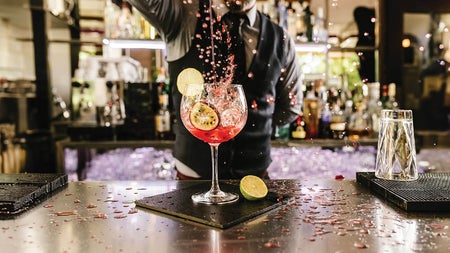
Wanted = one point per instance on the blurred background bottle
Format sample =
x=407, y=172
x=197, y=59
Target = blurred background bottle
x=320, y=33
x=298, y=128
x=163, y=117
x=325, y=120
x=388, y=93
x=125, y=21
x=311, y=113
x=360, y=125
x=337, y=122
x=111, y=13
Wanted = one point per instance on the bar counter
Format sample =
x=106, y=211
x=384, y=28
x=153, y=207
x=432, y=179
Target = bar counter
x=326, y=215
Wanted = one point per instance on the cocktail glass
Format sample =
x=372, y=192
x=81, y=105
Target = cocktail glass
x=214, y=113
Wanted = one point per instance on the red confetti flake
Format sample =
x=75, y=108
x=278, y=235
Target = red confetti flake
x=438, y=226
x=91, y=206
x=48, y=206
x=339, y=177
x=66, y=213
x=272, y=243
x=270, y=99
x=111, y=200
x=285, y=230
x=77, y=201
x=122, y=216
x=359, y=245
x=254, y=105
x=364, y=231
x=101, y=216
x=241, y=237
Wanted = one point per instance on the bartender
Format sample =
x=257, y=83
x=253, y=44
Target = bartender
x=271, y=78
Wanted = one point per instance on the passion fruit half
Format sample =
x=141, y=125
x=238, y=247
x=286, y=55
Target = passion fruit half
x=203, y=117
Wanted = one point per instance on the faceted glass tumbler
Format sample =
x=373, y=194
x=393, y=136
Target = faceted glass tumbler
x=396, y=154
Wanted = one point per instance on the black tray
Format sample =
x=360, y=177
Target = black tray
x=179, y=204
x=429, y=193
x=18, y=192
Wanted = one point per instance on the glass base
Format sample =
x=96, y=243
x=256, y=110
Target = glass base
x=217, y=198
x=398, y=177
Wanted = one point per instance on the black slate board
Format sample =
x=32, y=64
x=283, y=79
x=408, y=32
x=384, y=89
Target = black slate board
x=429, y=193
x=179, y=204
x=18, y=192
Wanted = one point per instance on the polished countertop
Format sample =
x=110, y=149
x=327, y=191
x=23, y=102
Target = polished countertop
x=324, y=215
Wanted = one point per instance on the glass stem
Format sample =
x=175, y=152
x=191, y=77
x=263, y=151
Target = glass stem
x=215, y=189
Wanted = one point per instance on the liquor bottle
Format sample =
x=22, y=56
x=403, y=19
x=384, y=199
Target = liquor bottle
x=108, y=115
x=374, y=107
x=298, y=128
x=392, y=103
x=320, y=33
x=125, y=21
x=337, y=123
x=388, y=93
x=384, y=95
x=325, y=120
x=375, y=113
x=292, y=22
x=281, y=133
x=307, y=20
x=119, y=103
x=162, y=118
x=282, y=14
x=111, y=14
x=311, y=114
x=348, y=110
x=360, y=124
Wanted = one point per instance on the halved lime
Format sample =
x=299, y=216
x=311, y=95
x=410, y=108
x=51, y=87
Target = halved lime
x=253, y=187
x=203, y=117
x=189, y=76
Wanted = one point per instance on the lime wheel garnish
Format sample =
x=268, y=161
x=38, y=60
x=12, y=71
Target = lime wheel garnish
x=189, y=76
x=253, y=187
x=203, y=117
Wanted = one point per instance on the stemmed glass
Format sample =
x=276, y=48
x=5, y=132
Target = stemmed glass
x=214, y=113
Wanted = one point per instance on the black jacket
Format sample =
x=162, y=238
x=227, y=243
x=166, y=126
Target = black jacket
x=249, y=151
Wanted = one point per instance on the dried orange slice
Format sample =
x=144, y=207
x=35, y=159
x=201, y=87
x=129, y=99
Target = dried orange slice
x=203, y=117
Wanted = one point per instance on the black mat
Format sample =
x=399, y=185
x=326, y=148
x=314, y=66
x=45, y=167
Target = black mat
x=19, y=192
x=429, y=193
x=178, y=203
